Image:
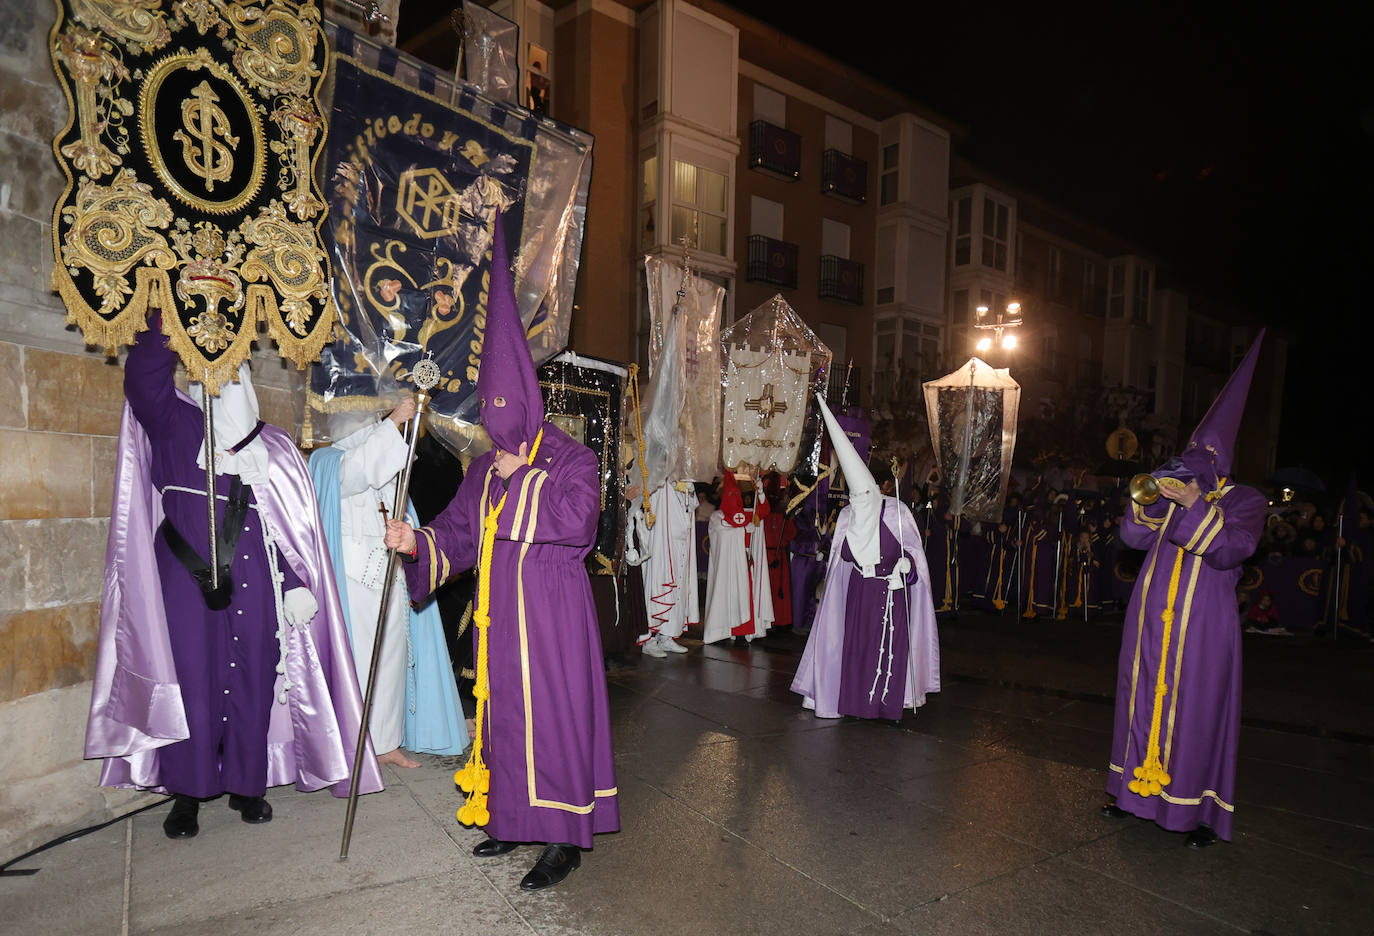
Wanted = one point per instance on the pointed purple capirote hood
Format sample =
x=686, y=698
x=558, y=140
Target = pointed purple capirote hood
x=1221, y=425
x=507, y=386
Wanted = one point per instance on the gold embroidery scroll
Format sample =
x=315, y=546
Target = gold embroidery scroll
x=189, y=149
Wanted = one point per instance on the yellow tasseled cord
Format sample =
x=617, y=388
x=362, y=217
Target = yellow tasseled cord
x=639, y=443
x=474, y=778
x=1150, y=777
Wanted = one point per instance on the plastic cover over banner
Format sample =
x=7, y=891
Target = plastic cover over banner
x=491, y=50
x=584, y=397
x=771, y=366
x=682, y=411
x=972, y=414
x=415, y=170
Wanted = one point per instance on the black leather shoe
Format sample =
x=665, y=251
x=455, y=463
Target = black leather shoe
x=1113, y=811
x=253, y=809
x=181, y=821
x=1201, y=837
x=553, y=866
x=490, y=848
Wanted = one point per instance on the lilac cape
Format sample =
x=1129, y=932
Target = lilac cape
x=818, y=677
x=1199, y=722
x=136, y=705
x=547, y=737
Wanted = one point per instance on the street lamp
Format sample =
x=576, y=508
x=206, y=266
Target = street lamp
x=1004, y=320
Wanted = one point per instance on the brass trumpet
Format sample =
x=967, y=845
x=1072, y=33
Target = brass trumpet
x=1145, y=488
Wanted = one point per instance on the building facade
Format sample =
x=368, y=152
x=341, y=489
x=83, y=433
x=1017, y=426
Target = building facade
x=777, y=168
x=1101, y=319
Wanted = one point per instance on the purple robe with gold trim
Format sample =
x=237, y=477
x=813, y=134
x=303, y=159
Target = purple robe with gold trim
x=547, y=740
x=1199, y=717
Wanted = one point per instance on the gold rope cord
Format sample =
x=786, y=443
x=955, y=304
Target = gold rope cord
x=639, y=444
x=474, y=778
x=1150, y=776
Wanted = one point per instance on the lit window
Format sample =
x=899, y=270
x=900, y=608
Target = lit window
x=648, y=202
x=699, y=202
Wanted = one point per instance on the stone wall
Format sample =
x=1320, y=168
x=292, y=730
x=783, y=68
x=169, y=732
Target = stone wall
x=59, y=414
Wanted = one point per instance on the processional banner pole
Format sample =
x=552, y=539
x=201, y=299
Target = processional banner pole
x=207, y=411
x=425, y=375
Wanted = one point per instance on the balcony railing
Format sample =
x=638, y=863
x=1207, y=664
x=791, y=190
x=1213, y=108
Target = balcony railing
x=844, y=175
x=772, y=261
x=775, y=149
x=834, y=389
x=842, y=279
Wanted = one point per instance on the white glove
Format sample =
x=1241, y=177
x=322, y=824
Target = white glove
x=897, y=580
x=299, y=607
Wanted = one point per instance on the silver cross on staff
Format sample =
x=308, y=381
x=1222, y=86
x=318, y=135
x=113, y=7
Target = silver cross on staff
x=766, y=406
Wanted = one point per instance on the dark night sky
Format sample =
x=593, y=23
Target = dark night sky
x=1236, y=145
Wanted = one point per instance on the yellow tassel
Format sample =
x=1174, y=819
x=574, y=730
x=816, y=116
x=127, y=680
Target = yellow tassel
x=474, y=778
x=639, y=443
x=1151, y=776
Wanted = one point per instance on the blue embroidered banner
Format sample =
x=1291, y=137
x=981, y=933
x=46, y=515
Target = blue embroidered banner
x=414, y=177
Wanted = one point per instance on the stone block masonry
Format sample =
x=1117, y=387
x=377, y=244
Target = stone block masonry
x=60, y=405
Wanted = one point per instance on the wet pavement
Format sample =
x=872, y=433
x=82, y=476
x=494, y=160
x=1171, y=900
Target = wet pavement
x=744, y=814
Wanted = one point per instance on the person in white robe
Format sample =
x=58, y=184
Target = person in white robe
x=670, y=572
x=739, y=595
x=415, y=701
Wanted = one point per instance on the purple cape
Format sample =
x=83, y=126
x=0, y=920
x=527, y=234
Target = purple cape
x=136, y=705
x=1199, y=723
x=822, y=663
x=547, y=739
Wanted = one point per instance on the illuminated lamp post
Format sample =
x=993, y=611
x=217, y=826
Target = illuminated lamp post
x=999, y=326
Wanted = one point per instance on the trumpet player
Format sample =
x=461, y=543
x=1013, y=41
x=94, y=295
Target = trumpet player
x=1173, y=755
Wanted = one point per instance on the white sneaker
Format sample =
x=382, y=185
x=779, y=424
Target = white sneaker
x=651, y=648
x=669, y=644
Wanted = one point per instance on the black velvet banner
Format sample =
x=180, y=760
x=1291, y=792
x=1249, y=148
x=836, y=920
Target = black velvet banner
x=189, y=149
x=583, y=397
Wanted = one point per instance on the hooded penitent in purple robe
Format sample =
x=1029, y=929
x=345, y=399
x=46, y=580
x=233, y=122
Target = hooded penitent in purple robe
x=942, y=554
x=547, y=737
x=1043, y=557
x=873, y=649
x=188, y=700
x=1173, y=756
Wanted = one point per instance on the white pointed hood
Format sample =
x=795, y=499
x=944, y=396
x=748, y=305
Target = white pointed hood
x=865, y=500
x=235, y=416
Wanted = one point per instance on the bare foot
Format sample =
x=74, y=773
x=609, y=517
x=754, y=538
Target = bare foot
x=398, y=758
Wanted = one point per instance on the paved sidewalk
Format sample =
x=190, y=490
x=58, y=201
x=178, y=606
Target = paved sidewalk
x=743, y=814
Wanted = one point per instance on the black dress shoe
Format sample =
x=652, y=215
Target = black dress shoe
x=1201, y=837
x=1113, y=811
x=181, y=821
x=251, y=808
x=490, y=848
x=553, y=866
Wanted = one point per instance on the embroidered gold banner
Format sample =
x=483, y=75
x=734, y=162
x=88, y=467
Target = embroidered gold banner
x=189, y=150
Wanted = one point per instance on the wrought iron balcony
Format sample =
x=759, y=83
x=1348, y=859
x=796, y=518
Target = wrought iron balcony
x=842, y=279
x=772, y=261
x=844, y=175
x=775, y=149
